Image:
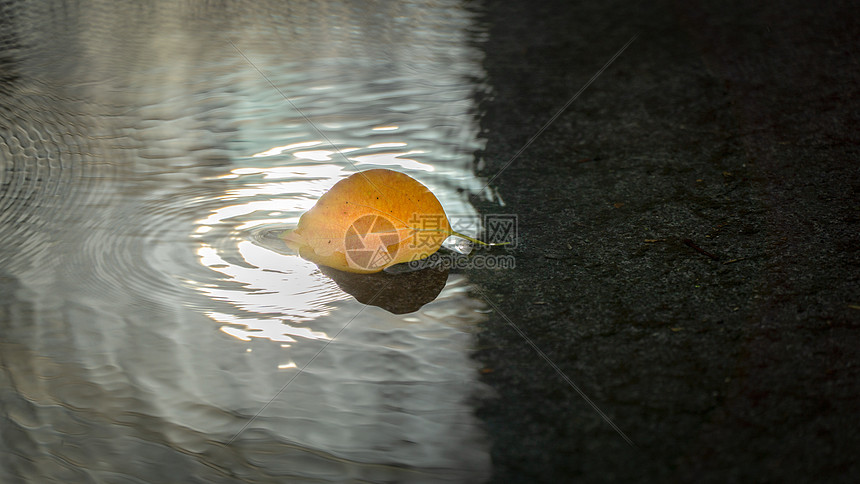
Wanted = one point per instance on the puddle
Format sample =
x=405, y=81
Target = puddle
x=145, y=308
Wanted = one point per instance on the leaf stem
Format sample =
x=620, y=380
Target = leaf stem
x=463, y=236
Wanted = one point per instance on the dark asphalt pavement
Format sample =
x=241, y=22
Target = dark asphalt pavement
x=688, y=242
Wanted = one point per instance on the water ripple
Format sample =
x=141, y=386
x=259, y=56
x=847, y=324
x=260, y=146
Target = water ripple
x=48, y=163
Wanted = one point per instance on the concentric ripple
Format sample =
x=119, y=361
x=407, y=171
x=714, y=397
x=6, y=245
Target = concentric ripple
x=50, y=169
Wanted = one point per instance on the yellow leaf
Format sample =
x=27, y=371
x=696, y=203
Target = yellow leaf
x=369, y=221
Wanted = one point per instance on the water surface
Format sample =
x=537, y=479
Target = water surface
x=149, y=331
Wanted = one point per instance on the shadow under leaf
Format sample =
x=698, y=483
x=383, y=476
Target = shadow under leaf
x=396, y=293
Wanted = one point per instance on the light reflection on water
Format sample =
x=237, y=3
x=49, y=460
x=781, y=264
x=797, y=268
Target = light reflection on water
x=144, y=317
x=270, y=284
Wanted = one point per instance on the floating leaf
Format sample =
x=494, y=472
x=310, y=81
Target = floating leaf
x=369, y=221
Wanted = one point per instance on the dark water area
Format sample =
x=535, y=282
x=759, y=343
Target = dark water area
x=680, y=302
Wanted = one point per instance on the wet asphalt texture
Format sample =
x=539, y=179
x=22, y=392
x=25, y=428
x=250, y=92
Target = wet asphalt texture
x=688, y=242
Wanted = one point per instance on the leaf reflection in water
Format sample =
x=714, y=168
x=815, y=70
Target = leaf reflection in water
x=395, y=293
